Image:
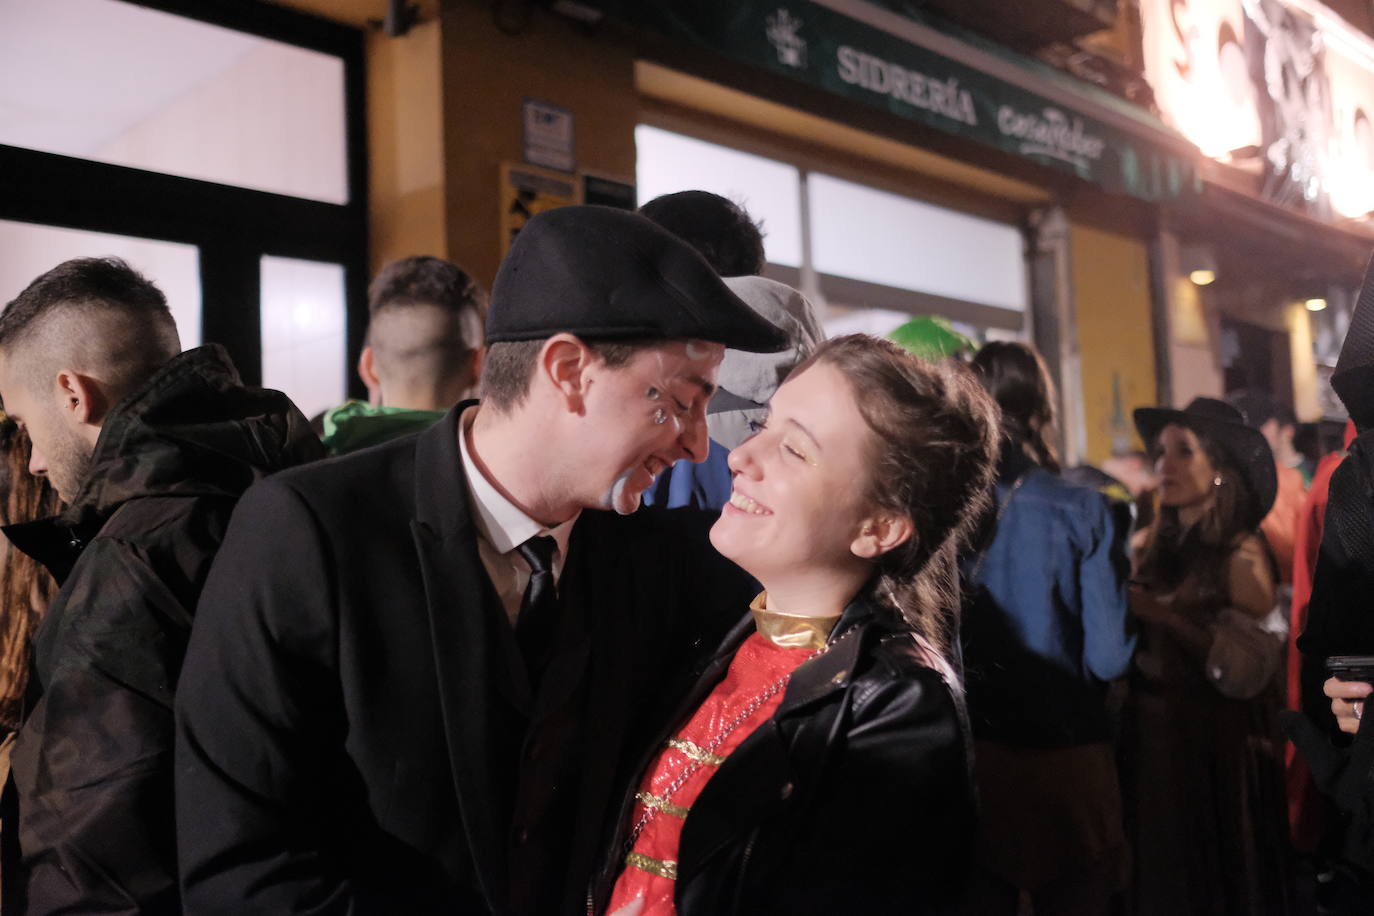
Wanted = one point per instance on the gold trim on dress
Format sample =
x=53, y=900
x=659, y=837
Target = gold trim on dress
x=788, y=630
x=664, y=868
x=694, y=752
x=661, y=804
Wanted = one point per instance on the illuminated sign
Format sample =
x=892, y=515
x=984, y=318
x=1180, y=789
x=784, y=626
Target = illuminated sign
x=988, y=95
x=1283, y=89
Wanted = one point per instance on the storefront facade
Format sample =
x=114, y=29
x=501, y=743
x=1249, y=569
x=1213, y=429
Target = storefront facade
x=922, y=173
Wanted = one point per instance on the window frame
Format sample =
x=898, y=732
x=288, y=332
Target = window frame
x=232, y=227
x=809, y=159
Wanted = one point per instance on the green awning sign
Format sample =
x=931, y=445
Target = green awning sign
x=1126, y=151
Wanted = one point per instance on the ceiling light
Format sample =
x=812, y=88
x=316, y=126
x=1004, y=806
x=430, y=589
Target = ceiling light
x=1315, y=305
x=1202, y=277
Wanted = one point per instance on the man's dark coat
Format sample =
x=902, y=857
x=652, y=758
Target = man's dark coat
x=356, y=730
x=92, y=764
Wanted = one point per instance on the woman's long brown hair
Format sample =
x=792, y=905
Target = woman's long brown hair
x=1018, y=380
x=26, y=586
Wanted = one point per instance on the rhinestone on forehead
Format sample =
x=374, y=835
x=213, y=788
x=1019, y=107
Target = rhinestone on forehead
x=698, y=349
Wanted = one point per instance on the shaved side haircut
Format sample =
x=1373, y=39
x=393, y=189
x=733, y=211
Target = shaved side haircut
x=427, y=317
x=95, y=316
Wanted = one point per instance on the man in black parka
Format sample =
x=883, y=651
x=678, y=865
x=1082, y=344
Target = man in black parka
x=417, y=670
x=149, y=448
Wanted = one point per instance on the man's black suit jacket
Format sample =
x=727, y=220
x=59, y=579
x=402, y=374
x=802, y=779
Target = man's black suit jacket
x=356, y=731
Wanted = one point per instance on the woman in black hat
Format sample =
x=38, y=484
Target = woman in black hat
x=1202, y=777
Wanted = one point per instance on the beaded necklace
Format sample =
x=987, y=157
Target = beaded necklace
x=696, y=761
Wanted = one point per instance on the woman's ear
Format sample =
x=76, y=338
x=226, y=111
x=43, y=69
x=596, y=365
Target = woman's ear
x=880, y=533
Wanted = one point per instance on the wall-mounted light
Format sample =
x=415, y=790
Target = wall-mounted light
x=1198, y=262
x=1315, y=305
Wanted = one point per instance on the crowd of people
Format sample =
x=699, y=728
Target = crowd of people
x=869, y=647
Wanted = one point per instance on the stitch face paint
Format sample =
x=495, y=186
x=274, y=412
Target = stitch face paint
x=660, y=417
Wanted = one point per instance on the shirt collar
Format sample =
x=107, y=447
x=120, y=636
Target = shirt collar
x=502, y=523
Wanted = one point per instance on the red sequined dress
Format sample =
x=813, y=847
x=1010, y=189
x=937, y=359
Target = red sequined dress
x=746, y=697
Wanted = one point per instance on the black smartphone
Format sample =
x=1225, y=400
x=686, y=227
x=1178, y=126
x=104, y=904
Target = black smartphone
x=1351, y=667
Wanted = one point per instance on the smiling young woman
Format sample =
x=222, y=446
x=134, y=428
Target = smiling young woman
x=820, y=764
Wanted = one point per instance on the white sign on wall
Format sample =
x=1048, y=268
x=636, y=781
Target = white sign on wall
x=548, y=136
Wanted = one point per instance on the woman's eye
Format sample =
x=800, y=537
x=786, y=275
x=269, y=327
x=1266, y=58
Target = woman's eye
x=757, y=426
x=793, y=452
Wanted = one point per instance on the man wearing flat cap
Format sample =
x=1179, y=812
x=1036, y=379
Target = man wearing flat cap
x=417, y=669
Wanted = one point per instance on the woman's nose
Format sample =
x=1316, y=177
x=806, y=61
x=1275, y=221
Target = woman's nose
x=743, y=458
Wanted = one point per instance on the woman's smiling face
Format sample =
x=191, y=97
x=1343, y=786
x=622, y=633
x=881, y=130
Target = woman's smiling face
x=800, y=484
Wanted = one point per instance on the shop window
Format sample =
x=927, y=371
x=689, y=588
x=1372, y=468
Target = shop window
x=147, y=89
x=31, y=250
x=866, y=234
x=303, y=331
x=769, y=190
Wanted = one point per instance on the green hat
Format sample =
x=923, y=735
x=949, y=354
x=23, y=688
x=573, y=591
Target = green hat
x=932, y=338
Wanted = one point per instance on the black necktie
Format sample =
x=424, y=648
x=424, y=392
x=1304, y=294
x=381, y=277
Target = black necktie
x=537, y=623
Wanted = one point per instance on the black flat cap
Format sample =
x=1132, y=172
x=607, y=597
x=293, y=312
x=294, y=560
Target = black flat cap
x=608, y=274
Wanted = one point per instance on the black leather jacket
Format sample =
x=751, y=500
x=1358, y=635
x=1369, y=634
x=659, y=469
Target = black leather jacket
x=856, y=797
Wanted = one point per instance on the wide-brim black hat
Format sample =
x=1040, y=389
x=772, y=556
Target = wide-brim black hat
x=608, y=274
x=1222, y=424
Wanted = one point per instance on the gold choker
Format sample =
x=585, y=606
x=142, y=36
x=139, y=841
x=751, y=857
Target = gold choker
x=788, y=630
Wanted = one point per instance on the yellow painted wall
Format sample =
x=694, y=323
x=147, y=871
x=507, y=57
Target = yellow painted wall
x=1111, y=287
x=487, y=76
x=406, y=192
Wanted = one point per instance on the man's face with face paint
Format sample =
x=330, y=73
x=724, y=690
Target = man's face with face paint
x=643, y=416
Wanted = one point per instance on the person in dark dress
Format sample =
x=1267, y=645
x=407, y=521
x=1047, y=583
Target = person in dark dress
x=1202, y=759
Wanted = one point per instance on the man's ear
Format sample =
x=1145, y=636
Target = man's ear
x=563, y=364
x=367, y=371
x=81, y=398
x=880, y=533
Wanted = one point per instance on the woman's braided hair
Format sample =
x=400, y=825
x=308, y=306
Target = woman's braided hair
x=933, y=453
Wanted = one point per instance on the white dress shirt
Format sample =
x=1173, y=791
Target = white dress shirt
x=502, y=527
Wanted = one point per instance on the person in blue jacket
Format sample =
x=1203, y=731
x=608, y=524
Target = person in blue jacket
x=1045, y=631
